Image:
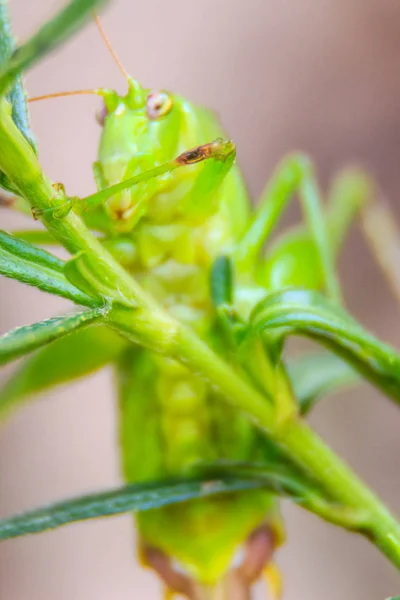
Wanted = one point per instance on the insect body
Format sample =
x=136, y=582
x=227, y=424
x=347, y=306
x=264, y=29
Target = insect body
x=179, y=224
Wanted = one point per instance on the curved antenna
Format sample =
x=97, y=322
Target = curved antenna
x=110, y=48
x=98, y=92
x=62, y=94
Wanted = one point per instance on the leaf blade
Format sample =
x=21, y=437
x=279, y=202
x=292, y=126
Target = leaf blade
x=27, y=338
x=33, y=266
x=17, y=95
x=49, y=36
x=308, y=313
x=115, y=502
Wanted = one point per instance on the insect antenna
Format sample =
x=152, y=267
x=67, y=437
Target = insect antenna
x=98, y=92
x=110, y=48
x=62, y=94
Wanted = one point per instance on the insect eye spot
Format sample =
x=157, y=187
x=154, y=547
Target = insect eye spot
x=158, y=105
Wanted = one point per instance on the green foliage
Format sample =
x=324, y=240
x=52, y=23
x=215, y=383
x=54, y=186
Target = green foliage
x=130, y=498
x=50, y=35
x=24, y=340
x=32, y=266
x=17, y=95
x=197, y=234
x=303, y=312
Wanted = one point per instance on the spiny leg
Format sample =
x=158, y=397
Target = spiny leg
x=349, y=193
x=378, y=224
x=382, y=234
x=294, y=174
x=218, y=151
x=292, y=259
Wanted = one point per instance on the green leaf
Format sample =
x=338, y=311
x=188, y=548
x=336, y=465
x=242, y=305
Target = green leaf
x=25, y=339
x=277, y=477
x=87, y=275
x=17, y=95
x=33, y=266
x=307, y=313
x=49, y=36
x=221, y=281
x=73, y=356
x=221, y=289
x=115, y=502
x=316, y=374
x=26, y=251
x=299, y=488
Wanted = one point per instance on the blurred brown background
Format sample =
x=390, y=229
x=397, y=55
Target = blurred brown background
x=320, y=76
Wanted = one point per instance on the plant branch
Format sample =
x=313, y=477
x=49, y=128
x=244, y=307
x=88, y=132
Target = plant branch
x=17, y=94
x=148, y=324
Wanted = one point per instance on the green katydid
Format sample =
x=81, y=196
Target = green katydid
x=169, y=189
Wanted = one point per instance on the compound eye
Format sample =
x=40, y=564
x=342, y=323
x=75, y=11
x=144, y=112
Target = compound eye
x=158, y=105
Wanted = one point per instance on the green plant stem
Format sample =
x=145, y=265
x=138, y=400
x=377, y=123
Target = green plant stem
x=149, y=324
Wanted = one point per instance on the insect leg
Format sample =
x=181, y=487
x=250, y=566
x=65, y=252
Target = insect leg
x=350, y=192
x=203, y=199
x=292, y=259
x=98, y=173
x=294, y=174
x=219, y=150
x=382, y=234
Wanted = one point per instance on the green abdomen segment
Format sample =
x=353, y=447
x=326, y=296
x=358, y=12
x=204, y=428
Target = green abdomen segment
x=170, y=422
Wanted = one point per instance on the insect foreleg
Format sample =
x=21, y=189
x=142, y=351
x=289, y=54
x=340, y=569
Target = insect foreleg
x=219, y=151
x=382, y=234
x=294, y=174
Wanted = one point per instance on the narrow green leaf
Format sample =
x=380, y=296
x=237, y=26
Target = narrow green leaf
x=221, y=289
x=221, y=281
x=307, y=313
x=25, y=250
x=115, y=502
x=277, y=477
x=25, y=339
x=17, y=95
x=316, y=374
x=69, y=358
x=33, y=266
x=299, y=489
x=87, y=275
x=49, y=36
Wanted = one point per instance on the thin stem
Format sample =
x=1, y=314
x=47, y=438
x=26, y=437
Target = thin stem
x=338, y=479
